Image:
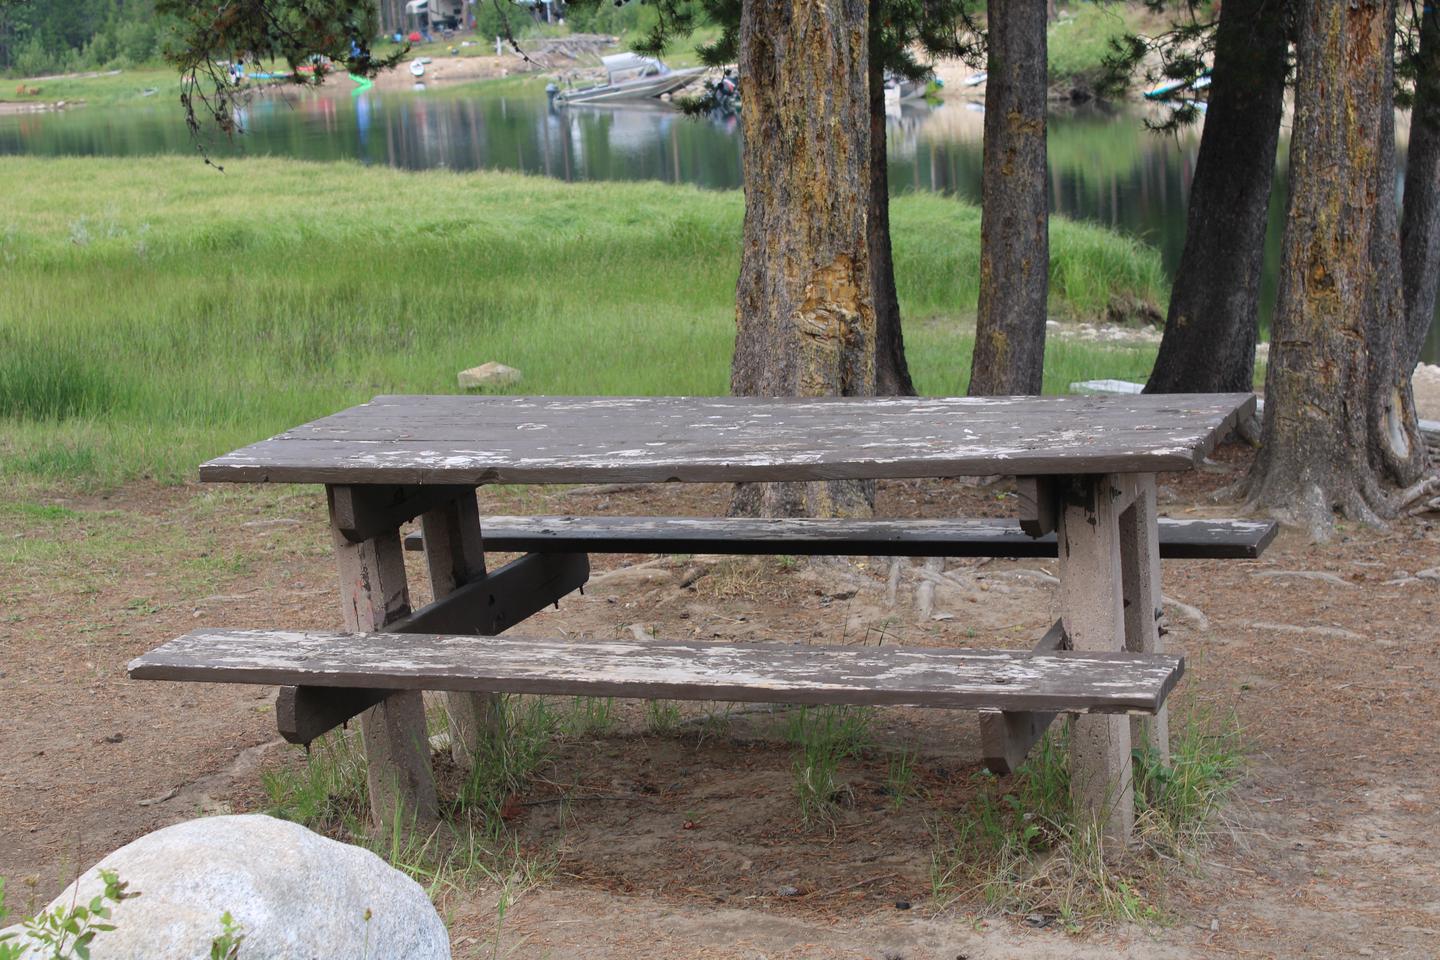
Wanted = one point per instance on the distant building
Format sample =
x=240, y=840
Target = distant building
x=403, y=16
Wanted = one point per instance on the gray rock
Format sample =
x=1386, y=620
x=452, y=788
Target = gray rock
x=490, y=374
x=295, y=894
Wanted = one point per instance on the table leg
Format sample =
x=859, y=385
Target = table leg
x=373, y=593
x=1092, y=611
x=455, y=555
x=1140, y=571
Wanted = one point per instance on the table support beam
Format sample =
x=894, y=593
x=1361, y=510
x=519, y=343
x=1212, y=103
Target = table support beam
x=1092, y=611
x=373, y=595
x=360, y=512
x=1038, y=503
x=483, y=607
x=455, y=556
x=1006, y=737
x=304, y=714
x=1140, y=573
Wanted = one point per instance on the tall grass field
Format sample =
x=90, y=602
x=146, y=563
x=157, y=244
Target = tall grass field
x=156, y=312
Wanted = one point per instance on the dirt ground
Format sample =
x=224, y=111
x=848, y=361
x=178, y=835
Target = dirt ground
x=443, y=70
x=573, y=57
x=688, y=845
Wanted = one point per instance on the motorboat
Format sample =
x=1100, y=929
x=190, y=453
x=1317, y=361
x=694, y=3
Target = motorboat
x=629, y=77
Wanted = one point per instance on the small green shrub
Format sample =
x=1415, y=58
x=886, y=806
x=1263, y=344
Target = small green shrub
x=65, y=932
x=227, y=945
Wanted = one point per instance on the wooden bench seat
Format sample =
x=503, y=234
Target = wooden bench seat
x=1179, y=539
x=1011, y=680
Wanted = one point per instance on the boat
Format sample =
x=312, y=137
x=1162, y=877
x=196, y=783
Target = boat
x=899, y=89
x=1168, y=89
x=975, y=79
x=629, y=76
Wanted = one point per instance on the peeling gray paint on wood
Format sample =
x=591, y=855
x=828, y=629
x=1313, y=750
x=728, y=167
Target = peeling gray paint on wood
x=455, y=557
x=1062, y=681
x=1092, y=609
x=1006, y=737
x=374, y=594
x=476, y=440
x=1140, y=555
x=1179, y=539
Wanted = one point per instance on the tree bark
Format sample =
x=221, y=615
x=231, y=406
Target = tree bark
x=892, y=373
x=1338, y=412
x=1420, y=229
x=805, y=320
x=1397, y=451
x=1009, y=355
x=1212, y=323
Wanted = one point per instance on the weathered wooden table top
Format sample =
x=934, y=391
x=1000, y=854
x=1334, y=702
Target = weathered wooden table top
x=502, y=439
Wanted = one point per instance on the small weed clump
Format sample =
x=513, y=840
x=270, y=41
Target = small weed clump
x=662, y=717
x=825, y=736
x=328, y=791
x=1029, y=851
x=1177, y=805
x=900, y=777
x=505, y=762
x=591, y=717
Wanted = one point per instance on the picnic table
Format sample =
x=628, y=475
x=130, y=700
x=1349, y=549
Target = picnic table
x=1086, y=471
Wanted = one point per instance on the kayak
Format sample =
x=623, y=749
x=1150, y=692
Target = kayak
x=1164, y=90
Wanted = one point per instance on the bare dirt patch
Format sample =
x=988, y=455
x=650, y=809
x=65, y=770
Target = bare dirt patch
x=688, y=843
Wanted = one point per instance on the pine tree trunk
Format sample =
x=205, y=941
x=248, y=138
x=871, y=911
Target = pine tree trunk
x=892, y=373
x=1420, y=230
x=1397, y=451
x=805, y=321
x=1335, y=418
x=1009, y=355
x=1210, y=330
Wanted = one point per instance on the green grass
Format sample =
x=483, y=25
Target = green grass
x=505, y=763
x=824, y=737
x=900, y=776
x=662, y=717
x=157, y=313
x=103, y=90
x=328, y=788
x=1080, y=41
x=1023, y=848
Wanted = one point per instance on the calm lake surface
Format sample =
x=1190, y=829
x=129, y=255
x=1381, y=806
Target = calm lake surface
x=1104, y=165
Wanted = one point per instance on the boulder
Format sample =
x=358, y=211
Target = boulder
x=294, y=894
x=490, y=374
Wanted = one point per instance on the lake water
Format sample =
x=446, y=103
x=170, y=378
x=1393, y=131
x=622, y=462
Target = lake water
x=1104, y=165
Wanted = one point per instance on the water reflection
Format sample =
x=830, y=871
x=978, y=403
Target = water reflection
x=1104, y=165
